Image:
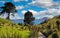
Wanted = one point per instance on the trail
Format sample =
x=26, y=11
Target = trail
x=40, y=35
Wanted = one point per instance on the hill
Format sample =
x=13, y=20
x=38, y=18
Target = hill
x=12, y=30
x=51, y=27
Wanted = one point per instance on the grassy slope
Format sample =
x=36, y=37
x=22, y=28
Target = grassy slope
x=11, y=30
x=51, y=26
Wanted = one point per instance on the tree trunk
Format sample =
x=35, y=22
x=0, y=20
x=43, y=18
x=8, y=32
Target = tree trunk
x=8, y=17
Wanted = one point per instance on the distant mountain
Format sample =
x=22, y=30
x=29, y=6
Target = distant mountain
x=37, y=21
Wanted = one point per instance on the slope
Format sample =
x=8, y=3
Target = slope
x=12, y=30
x=51, y=27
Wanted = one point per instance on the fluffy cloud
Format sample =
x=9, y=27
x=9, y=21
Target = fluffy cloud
x=23, y=12
x=15, y=17
x=45, y=3
x=50, y=13
x=11, y=17
x=19, y=0
x=33, y=12
x=49, y=16
x=19, y=7
x=53, y=8
x=3, y=15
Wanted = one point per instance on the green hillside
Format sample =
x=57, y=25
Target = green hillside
x=51, y=27
x=12, y=30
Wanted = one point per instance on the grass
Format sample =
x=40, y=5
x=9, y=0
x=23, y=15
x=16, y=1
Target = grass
x=49, y=28
x=11, y=30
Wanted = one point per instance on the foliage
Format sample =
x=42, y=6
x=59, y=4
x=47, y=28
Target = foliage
x=28, y=18
x=20, y=24
x=12, y=30
x=8, y=8
x=51, y=27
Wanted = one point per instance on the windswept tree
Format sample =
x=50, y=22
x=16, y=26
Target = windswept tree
x=8, y=8
x=28, y=18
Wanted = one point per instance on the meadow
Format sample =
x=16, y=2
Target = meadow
x=11, y=30
x=49, y=28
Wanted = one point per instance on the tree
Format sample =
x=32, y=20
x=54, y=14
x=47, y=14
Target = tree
x=28, y=18
x=8, y=8
x=19, y=23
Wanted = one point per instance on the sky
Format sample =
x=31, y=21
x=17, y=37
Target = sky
x=39, y=8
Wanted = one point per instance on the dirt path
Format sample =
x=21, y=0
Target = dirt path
x=40, y=35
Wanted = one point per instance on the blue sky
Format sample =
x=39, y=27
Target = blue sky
x=39, y=8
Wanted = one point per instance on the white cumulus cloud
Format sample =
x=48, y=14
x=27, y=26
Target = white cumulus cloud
x=45, y=3
x=33, y=12
x=19, y=7
x=11, y=17
x=50, y=13
x=49, y=16
x=23, y=12
x=15, y=17
x=42, y=3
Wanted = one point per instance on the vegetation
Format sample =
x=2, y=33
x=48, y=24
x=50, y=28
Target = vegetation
x=28, y=18
x=8, y=8
x=51, y=27
x=12, y=30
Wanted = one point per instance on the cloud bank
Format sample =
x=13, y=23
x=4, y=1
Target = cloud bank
x=50, y=13
x=45, y=3
x=53, y=8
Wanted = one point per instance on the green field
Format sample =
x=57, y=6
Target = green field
x=50, y=28
x=11, y=30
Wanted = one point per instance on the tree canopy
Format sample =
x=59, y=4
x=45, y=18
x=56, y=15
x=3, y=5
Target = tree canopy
x=28, y=18
x=8, y=8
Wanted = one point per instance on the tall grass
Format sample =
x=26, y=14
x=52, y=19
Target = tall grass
x=13, y=32
x=49, y=28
